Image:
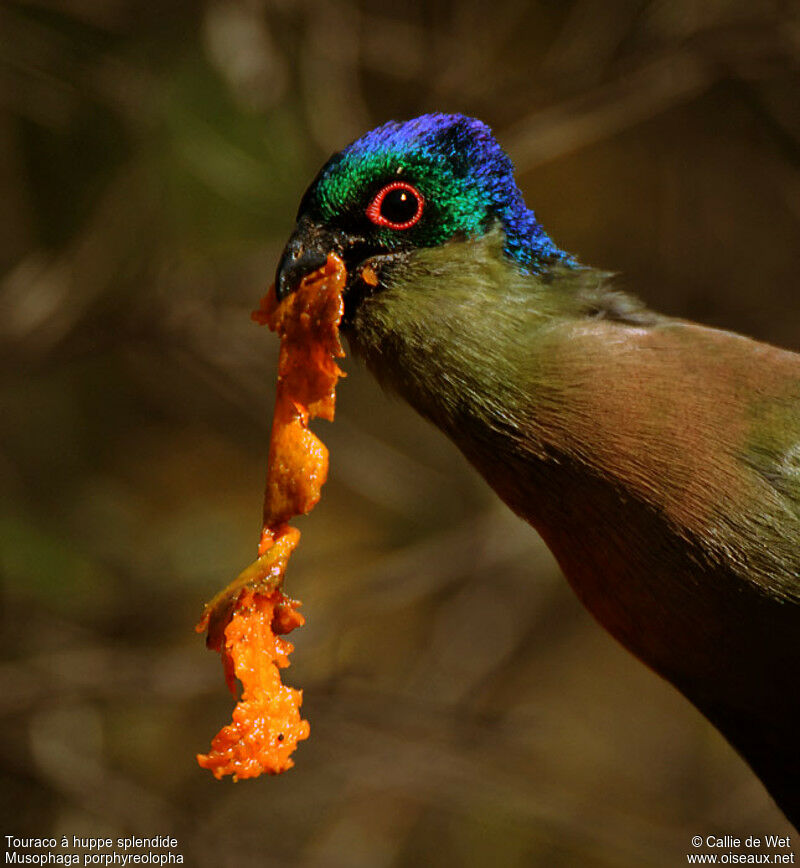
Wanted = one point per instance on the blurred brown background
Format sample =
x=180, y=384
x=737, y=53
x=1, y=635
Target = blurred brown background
x=464, y=708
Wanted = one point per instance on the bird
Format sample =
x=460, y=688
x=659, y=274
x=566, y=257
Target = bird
x=658, y=459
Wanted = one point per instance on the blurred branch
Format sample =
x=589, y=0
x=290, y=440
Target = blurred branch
x=46, y=296
x=675, y=77
x=562, y=129
x=103, y=671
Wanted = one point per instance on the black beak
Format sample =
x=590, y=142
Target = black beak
x=306, y=251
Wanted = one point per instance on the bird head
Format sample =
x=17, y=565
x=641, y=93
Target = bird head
x=408, y=187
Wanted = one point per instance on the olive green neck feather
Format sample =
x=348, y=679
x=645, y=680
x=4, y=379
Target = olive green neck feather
x=454, y=334
x=672, y=505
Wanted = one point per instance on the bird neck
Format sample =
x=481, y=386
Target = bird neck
x=461, y=332
x=562, y=394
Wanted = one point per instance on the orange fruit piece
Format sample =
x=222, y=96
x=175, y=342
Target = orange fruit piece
x=242, y=620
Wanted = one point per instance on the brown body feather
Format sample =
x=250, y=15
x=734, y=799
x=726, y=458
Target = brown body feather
x=659, y=460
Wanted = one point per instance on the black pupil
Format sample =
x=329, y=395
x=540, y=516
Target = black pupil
x=399, y=206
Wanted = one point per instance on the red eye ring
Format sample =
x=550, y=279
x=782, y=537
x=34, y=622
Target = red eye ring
x=374, y=213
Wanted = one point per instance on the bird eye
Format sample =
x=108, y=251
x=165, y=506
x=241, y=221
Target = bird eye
x=397, y=205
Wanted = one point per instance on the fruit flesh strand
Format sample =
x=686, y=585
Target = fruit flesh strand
x=241, y=622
